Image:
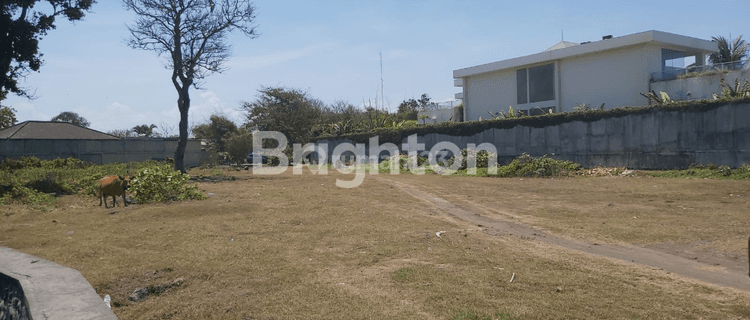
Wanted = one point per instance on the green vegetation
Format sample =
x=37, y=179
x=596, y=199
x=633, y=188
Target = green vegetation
x=739, y=90
x=404, y=274
x=702, y=73
x=470, y=315
x=729, y=50
x=709, y=171
x=528, y=166
x=7, y=117
x=658, y=99
x=36, y=182
x=524, y=166
x=160, y=183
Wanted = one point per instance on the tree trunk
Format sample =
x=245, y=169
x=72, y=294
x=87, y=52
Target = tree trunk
x=183, y=103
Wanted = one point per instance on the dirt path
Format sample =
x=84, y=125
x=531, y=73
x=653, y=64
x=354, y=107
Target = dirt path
x=686, y=267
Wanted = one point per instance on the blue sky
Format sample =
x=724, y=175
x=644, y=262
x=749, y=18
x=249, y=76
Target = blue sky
x=331, y=50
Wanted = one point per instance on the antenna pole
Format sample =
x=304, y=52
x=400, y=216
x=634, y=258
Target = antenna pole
x=382, y=96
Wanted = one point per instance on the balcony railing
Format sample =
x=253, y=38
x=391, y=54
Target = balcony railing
x=672, y=73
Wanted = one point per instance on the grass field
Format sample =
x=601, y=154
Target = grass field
x=298, y=247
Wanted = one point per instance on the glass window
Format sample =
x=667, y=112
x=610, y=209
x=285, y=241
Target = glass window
x=521, y=86
x=542, y=83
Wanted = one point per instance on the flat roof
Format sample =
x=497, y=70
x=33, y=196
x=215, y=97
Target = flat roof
x=689, y=44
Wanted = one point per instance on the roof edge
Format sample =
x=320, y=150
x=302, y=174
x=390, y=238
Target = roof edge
x=651, y=36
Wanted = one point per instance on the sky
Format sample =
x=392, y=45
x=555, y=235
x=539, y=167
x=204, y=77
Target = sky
x=332, y=50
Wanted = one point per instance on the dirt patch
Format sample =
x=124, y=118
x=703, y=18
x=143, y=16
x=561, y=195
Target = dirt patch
x=154, y=282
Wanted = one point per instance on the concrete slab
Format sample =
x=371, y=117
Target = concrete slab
x=53, y=291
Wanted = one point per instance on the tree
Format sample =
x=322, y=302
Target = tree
x=144, y=130
x=737, y=50
x=71, y=117
x=21, y=28
x=122, y=133
x=7, y=117
x=289, y=111
x=193, y=33
x=216, y=131
x=408, y=109
x=239, y=145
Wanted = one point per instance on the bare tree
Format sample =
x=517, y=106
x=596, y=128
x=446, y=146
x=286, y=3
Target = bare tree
x=193, y=33
x=166, y=130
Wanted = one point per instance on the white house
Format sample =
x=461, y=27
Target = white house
x=612, y=71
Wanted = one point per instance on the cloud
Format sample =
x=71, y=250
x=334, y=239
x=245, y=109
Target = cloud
x=28, y=111
x=268, y=60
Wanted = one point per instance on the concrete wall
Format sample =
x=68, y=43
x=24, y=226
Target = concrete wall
x=100, y=151
x=702, y=87
x=660, y=140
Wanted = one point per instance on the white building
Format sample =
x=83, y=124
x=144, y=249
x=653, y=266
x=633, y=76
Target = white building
x=612, y=71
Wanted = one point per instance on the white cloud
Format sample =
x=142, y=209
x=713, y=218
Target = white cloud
x=267, y=60
x=28, y=111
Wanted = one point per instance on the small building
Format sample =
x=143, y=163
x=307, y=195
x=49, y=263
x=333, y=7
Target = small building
x=612, y=71
x=50, y=140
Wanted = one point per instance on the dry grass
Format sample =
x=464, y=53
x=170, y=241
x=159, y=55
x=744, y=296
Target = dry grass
x=710, y=214
x=297, y=247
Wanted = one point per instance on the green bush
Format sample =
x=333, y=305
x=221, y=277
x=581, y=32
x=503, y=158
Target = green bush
x=483, y=159
x=33, y=181
x=528, y=166
x=16, y=189
x=162, y=183
x=403, y=162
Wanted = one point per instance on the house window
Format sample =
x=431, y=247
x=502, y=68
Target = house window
x=536, y=84
x=522, y=86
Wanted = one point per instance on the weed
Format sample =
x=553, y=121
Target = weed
x=470, y=315
x=707, y=171
x=401, y=161
x=404, y=274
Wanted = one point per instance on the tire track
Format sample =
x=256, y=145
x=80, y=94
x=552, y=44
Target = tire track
x=629, y=253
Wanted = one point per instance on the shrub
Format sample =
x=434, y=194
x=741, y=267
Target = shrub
x=528, y=166
x=403, y=162
x=483, y=159
x=162, y=183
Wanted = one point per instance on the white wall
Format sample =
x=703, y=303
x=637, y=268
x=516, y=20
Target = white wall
x=615, y=78
x=702, y=87
x=489, y=92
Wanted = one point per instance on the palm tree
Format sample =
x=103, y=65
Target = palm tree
x=144, y=130
x=734, y=51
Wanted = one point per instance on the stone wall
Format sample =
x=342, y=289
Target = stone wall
x=658, y=140
x=101, y=151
